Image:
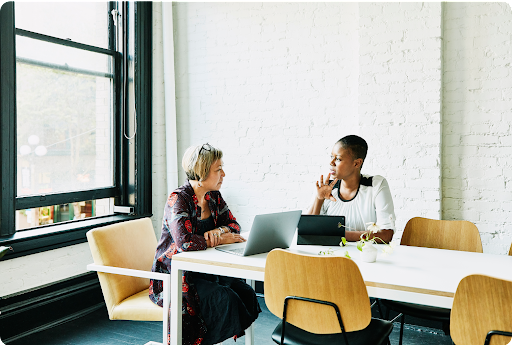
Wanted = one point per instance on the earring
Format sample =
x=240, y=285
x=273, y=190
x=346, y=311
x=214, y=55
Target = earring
x=200, y=185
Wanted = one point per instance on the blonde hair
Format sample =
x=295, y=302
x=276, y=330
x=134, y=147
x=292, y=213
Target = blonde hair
x=197, y=161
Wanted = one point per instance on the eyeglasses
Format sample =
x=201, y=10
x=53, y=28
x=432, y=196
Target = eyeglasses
x=204, y=147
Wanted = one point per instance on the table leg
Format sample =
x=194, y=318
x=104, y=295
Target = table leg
x=175, y=315
x=249, y=332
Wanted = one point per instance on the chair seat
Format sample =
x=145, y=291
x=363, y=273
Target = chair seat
x=137, y=307
x=418, y=310
x=376, y=333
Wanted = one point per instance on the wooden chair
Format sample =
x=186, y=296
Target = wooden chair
x=123, y=255
x=510, y=250
x=321, y=299
x=442, y=234
x=481, y=312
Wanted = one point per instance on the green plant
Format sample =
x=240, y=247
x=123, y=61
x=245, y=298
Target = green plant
x=4, y=250
x=365, y=238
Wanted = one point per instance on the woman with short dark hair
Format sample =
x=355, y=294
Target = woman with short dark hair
x=196, y=217
x=362, y=199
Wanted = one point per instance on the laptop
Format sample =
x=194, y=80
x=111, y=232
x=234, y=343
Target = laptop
x=321, y=230
x=268, y=231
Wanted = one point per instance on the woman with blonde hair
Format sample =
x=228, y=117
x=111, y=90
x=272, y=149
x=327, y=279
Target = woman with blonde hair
x=196, y=217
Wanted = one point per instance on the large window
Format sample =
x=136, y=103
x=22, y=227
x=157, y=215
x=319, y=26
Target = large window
x=65, y=81
x=73, y=146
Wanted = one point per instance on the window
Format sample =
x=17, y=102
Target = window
x=76, y=118
x=65, y=81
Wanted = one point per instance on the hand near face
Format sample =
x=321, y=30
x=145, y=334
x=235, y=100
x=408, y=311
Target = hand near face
x=324, y=188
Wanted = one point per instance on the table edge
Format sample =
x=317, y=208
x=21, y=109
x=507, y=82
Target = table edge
x=410, y=289
x=221, y=264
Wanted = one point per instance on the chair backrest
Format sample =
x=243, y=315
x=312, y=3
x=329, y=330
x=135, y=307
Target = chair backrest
x=328, y=278
x=510, y=250
x=131, y=244
x=442, y=234
x=481, y=304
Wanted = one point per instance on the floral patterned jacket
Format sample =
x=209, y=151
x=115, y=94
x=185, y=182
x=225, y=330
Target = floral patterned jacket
x=179, y=234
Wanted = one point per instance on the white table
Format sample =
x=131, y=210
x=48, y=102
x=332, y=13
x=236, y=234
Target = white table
x=410, y=274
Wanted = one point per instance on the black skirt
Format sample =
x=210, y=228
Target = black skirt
x=227, y=306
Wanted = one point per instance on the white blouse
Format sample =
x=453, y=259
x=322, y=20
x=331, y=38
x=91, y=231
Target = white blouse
x=372, y=203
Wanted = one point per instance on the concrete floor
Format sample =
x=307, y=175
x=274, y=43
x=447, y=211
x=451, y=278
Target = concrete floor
x=95, y=328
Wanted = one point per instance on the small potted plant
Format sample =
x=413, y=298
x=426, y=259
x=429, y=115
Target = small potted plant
x=366, y=242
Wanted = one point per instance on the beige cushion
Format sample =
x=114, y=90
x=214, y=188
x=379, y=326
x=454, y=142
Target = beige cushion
x=131, y=244
x=138, y=308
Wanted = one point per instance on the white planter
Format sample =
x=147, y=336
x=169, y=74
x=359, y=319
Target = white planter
x=369, y=253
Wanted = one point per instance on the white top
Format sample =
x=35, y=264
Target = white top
x=372, y=203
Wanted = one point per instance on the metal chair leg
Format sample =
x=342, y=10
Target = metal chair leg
x=378, y=307
x=402, y=321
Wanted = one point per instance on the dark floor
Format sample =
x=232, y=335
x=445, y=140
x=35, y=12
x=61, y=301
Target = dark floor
x=96, y=328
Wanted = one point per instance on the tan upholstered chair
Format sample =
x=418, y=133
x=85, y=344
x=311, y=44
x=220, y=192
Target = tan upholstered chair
x=319, y=285
x=442, y=234
x=482, y=304
x=123, y=255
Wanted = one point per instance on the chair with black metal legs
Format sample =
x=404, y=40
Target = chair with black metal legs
x=442, y=234
x=321, y=300
x=481, y=312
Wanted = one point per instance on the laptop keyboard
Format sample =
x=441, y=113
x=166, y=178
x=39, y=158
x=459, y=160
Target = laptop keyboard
x=237, y=251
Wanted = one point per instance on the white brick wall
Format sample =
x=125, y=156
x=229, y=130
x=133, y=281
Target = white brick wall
x=477, y=150
x=399, y=103
x=275, y=85
x=159, y=169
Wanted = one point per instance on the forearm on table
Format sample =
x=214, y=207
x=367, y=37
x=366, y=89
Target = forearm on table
x=195, y=242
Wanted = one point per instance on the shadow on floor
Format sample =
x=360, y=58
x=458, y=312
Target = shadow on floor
x=95, y=328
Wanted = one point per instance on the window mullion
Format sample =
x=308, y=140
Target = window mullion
x=8, y=120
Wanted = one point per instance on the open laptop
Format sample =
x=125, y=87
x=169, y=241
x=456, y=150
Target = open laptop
x=268, y=231
x=321, y=230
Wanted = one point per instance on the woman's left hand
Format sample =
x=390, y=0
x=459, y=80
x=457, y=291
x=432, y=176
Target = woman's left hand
x=213, y=237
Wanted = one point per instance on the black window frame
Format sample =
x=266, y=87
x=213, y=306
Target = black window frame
x=132, y=158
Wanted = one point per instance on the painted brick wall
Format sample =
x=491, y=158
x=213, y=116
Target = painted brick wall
x=273, y=85
x=477, y=99
x=400, y=102
x=159, y=169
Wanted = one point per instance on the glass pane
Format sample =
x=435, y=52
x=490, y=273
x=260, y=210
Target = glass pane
x=62, y=57
x=64, y=126
x=83, y=22
x=33, y=217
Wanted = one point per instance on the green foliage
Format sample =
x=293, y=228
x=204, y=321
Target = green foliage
x=4, y=250
x=326, y=252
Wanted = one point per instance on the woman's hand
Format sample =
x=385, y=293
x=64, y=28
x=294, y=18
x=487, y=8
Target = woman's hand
x=230, y=237
x=213, y=237
x=324, y=188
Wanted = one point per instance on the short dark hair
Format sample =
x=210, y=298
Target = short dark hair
x=356, y=145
